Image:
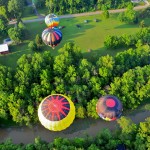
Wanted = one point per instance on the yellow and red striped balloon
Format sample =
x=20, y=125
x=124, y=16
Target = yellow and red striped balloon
x=56, y=112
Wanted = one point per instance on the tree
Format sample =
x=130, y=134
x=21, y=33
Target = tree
x=129, y=15
x=50, y=5
x=132, y=87
x=142, y=136
x=32, y=46
x=91, y=109
x=39, y=3
x=105, y=66
x=112, y=42
x=80, y=111
x=38, y=41
x=3, y=12
x=15, y=7
x=126, y=125
x=105, y=14
x=3, y=26
x=15, y=34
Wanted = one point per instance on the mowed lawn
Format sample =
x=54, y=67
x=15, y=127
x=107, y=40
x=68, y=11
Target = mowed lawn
x=91, y=35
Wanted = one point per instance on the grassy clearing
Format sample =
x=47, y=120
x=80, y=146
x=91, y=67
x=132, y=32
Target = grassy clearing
x=91, y=35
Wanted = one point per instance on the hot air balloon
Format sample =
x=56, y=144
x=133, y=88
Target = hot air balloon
x=51, y=20
x=56, y=112
x=109, y=108
x=51, y=36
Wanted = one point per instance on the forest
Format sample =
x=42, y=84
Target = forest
x=15, y=8
x=83, y=80
x=126, y=75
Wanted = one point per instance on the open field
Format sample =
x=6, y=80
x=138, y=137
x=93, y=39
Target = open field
x=91, y=35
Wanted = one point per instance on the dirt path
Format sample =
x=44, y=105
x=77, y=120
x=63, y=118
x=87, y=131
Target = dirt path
x=79, y=128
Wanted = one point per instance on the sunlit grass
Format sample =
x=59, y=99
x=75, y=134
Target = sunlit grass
x=91, y=35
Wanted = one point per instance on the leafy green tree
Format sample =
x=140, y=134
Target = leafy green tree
x=3, y=11
x=39, y=3
x=129, y=15
x=80, y=111
x=38, y=41
x=15, y=34
x=84, y=70
x=94, y=85
x=3, y=105
x=132, y=88
x=105, y=66
x=112, y=42
x=32, y=46
x=105, y=14
x=50, y=5
x=126, y=125
x=142, y=136
x=3, y=25
x=91, y=109
x=93, y=147
x=71, y=75
x=15, y=7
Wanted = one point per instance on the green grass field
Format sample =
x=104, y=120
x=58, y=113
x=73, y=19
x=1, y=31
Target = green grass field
x=91, y=35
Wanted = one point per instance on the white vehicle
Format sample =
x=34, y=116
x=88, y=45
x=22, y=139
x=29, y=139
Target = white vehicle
x=7, y=41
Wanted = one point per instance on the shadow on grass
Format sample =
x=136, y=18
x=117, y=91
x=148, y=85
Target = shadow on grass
x=127, y=26
x=94, y=54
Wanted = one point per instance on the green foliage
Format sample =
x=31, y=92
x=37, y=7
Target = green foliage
x=142, y=24
x=129, y=15
x=91, y=109
x=133, y=136
x=144, y=13
x=133, y=87
x=105, y=14
x=69, y=73
x=32, y=46
x=126, y=125
x=112, y=42
x=80, y=111
x=38, y=41
x=39, y=3
x=3, y=11
x=15, y=7
x=15, y=34
x=3, y=26
x=70, y=6
x=128, y=40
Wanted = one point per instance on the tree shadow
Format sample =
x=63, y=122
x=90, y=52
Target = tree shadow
x=79, y=124
x=127, y=26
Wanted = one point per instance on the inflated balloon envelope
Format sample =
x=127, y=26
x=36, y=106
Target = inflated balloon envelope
x=52, y=36
x=109, y=108
x=56, y=112
x=51, y=20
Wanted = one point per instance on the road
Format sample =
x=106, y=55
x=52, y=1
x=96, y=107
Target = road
x=41, y=18
x=79, y=128
x=88, y=13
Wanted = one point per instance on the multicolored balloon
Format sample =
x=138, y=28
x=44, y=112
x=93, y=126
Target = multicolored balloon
x=56, y=112
x=109, y=108
x=51, y=20
x=51, y=36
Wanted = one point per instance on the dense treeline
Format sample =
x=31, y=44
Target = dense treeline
x=14, y=8
x=135, y=137
x=133, y=87
x=71, y=74
x=140, y=38
x=70, y=6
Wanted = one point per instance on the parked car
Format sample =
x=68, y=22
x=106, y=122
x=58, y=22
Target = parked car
x=7, y=41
